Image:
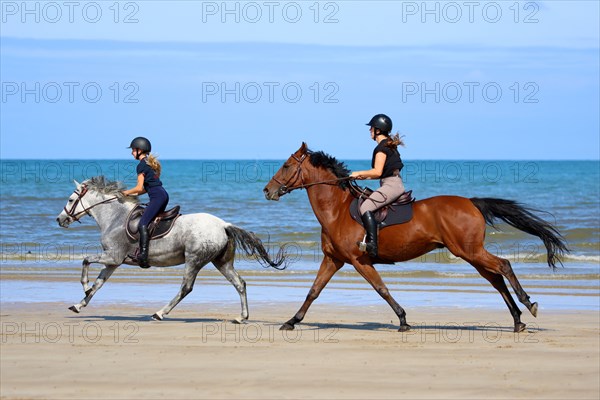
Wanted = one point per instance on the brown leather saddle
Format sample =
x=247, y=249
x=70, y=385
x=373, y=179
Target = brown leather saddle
x=398, y=212
x=160, y=226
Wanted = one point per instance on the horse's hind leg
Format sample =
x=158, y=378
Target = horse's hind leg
x=502, y=266
x=105, y=273
x=483, y=260
x=224, y=264
x=498, y=283
x=507, y=272
x=189, y=277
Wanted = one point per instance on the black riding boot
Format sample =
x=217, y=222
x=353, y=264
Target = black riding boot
x=142, y=257
x=370, y=224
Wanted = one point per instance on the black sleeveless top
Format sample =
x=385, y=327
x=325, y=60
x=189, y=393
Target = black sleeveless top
x=392, y=160
x=150, y=177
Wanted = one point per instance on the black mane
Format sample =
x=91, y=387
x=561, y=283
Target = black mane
x=339, y=169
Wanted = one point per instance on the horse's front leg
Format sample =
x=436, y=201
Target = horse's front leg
x=365, y=268
x=110, y=265
x=85, y=269
x=103, y=258
x=105, y=273
x=329, y=266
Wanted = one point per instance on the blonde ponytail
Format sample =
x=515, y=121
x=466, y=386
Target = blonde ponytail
x=152, y=161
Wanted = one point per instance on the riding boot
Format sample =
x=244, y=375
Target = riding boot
x=370, y=224
x=142, y=257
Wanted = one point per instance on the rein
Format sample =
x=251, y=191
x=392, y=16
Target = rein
x=76, y=216
x=284, y=188
x=304, y=186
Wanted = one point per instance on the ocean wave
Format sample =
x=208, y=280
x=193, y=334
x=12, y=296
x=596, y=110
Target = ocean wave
x=573, y=235
x=582, y=258
x=526, y=257
x=542, y=258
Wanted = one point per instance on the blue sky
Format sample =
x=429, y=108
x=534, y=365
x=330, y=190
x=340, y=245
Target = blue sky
x=461, y=80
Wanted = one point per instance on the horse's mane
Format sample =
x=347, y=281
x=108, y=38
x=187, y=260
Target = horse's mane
x=105, y=186
x=324, y=160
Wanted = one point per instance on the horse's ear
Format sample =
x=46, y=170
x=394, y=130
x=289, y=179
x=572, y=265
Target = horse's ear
x=304, y=147
x=77, y=184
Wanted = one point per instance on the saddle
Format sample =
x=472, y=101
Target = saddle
x=160, y=226
x=398, y=212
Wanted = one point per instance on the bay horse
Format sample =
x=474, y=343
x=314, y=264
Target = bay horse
x=195, y=239
x=456, y=223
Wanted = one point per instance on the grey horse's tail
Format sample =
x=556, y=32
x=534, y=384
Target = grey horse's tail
x=253, y=246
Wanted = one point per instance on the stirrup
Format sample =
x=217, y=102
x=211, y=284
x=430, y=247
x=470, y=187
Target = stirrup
x=362, y=246
x=136, y=257
x=143, y=263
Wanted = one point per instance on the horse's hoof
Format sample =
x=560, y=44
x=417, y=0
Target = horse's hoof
x=520, y=327
x=404, y=328
x=157, y=317
x=87, y=292
x=74, y=309
x=287, y=327
x=240, y=321
x=534, y=309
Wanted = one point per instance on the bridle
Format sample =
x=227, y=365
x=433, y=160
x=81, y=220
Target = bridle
x=76, y=216
x=284, y=188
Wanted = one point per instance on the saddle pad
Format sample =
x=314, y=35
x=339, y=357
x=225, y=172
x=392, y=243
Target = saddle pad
x=156, y=231
x=396, y=214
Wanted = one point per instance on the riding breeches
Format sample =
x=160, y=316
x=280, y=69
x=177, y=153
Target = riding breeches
x=159, y=198
x=391, y=188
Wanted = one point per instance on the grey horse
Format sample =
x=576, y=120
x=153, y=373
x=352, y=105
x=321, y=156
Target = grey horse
x=195, y=239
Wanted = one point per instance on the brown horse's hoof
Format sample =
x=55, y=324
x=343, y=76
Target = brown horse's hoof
x=404, y=328
x=534, y=309
x=520, y=327
x=287, y=327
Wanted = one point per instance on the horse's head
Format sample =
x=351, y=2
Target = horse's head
x=75, y=207
x=87, y=195
x=289, y=176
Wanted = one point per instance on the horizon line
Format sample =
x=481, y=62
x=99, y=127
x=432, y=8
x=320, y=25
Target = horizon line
x=405, y=160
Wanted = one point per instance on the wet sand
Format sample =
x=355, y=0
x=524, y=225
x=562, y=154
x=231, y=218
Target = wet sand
x=339, y=352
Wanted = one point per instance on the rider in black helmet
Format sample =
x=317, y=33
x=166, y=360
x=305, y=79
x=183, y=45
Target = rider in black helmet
x=381, y=122
x=385, y=165
x=140, y=143
x=148, y=181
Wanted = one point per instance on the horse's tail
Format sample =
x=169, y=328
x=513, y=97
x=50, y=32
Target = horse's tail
x=253, y=246
x=522, y=218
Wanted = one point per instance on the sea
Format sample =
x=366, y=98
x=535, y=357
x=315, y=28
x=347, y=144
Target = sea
x=41, y=262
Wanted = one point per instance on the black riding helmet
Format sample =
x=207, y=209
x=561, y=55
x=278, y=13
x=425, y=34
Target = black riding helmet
x=381, y=122
x=141, y=143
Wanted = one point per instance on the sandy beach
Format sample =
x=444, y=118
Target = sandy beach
x=339, y=352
